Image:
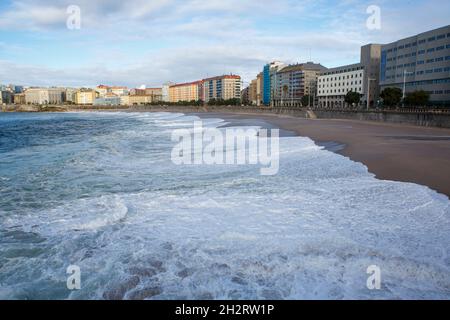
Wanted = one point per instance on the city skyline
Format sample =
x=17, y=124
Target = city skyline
x=183, y=41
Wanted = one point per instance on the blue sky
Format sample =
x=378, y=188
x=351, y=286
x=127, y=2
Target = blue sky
x=149, y=42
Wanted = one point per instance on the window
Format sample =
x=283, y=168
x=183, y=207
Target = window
x=439, y=59
x=430, y=60
x=447, y=58
x=431, y=39
x=430, y=50
x=421, y=52
x=442, y=36
x=429, y=71
x=438, y=70
x=401, y=47
x=420, y=62
x=422, y=41
x=440, y=48
x=448, y=46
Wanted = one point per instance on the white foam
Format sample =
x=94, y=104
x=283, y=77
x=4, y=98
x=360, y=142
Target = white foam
x=226, y=232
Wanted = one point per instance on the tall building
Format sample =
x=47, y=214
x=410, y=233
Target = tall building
x=224, y=87
x=291, y=83
x=185, y=92
x=420, y=62
x=268, y=75
x=334, y=84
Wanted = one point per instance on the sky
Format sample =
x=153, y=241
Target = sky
x=149, y=42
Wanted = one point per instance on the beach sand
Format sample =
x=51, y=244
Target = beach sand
x=391, y=151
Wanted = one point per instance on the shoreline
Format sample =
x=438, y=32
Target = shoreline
x=390, y=151
x=393, y=152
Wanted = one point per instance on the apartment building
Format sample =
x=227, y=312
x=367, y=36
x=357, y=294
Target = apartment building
x=268, y=77
x=6, y=97
x=334, y=84
x=224, y=87
x=45, y=96
x=155, y=93
x=185, y=91
x=420, y=62
x=119, y=91
x=19, y=98
x=256, y=90
x=86, y=96
x=291, y=83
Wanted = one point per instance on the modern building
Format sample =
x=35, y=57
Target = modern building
x=420, y=62
x=45, y=96
x=86, y=96
x=190, y=91
x=224, y=87
x=334, y=84
x=268, y=75
x=291, y=83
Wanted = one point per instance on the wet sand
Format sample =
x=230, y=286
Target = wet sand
x=391, y=151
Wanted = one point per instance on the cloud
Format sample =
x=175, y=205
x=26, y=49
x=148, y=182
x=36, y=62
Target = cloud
x=151, y=41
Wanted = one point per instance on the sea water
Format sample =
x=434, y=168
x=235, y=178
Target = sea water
x=99, y=191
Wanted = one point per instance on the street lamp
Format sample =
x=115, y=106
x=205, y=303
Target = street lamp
x=404, y=85
x=368, y=91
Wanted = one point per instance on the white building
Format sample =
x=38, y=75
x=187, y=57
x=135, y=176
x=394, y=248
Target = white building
x=166, y=91
x=334, y=84
x=44, y=95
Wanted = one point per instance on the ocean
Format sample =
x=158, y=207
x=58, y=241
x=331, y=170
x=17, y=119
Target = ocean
x=99, y=191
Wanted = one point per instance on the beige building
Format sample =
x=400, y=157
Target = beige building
x=156, y=94
x=223, y=87
x=119, y=91
x=185, y=91
x=86, y=96
x=44, y=96
x=132, y=100
x=19, y=98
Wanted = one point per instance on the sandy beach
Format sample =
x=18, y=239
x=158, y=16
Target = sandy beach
x=391, y=151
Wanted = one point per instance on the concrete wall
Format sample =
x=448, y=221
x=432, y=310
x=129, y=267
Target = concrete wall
x=417, y=118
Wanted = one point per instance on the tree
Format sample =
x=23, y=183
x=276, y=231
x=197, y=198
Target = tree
x=391, y=96
x=305, y=100
x=352, y=98
x=417, y=98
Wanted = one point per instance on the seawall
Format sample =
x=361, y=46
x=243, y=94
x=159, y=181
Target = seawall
x=416, y=117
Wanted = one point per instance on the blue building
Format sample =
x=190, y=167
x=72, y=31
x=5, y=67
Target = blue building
x=268, y=72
